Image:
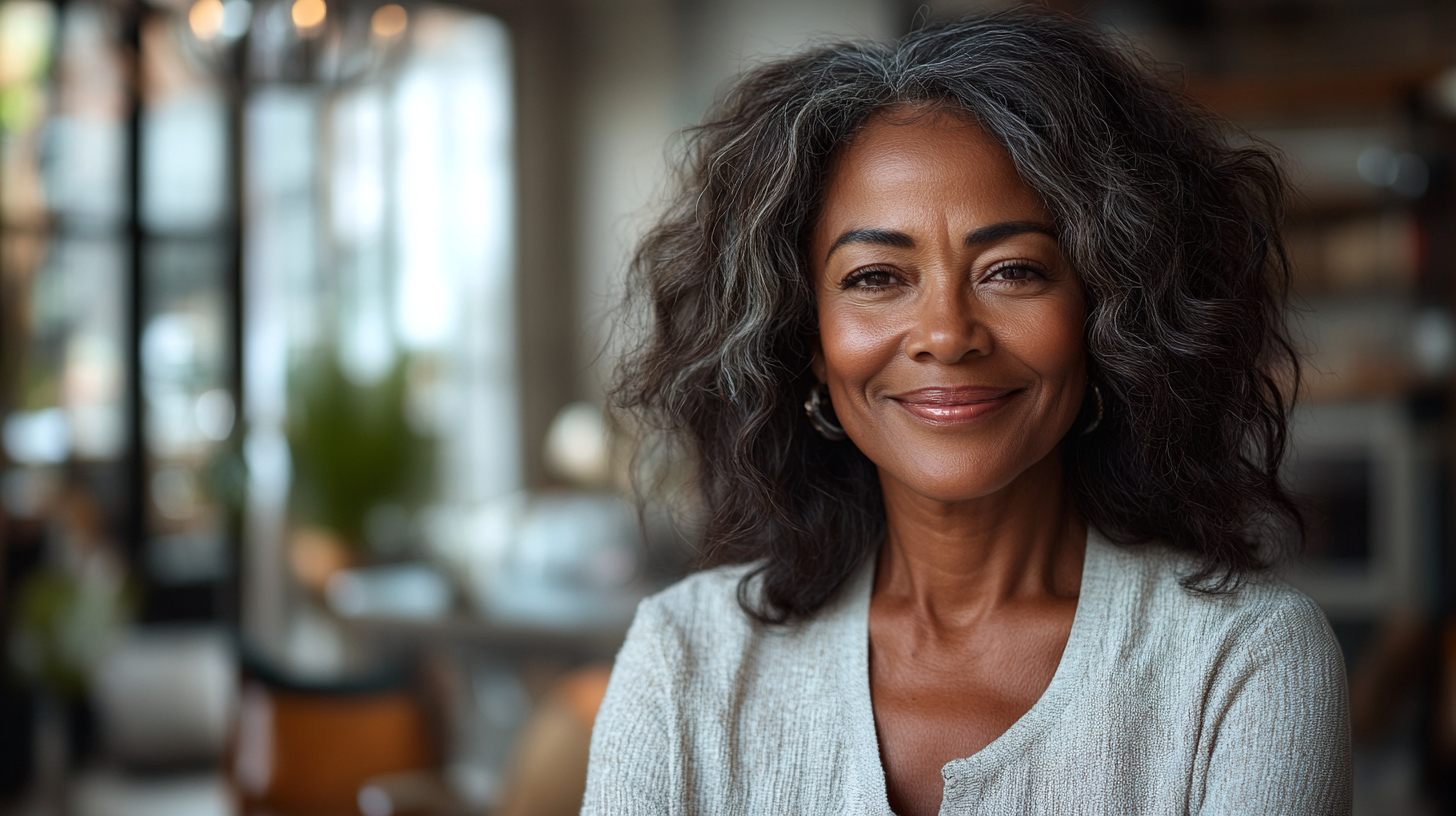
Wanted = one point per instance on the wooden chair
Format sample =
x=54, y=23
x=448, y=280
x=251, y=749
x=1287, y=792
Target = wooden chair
x=307, y=749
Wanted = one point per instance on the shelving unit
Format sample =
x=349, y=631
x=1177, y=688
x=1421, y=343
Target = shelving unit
x=1367, y=234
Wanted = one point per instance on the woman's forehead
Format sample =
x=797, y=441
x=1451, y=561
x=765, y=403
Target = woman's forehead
x=916, y=164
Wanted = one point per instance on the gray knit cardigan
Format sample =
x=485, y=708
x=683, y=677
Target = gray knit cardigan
x=1165, y=702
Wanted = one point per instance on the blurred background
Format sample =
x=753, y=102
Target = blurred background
x=309, y=506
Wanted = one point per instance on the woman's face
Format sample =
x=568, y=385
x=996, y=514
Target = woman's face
x=950, y=324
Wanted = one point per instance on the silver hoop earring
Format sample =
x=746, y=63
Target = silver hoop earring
x=814, y=407
x=1097, y=395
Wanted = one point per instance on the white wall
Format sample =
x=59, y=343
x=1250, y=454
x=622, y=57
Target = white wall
x=650, y=68
x=629, y=73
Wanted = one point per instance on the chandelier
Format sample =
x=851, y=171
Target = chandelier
x=328, y=42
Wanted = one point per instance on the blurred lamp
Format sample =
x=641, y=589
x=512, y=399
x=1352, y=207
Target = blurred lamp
x=217, y=20
x=577, y=446
x=389, y=21
x=206, y=18
x=308, y=15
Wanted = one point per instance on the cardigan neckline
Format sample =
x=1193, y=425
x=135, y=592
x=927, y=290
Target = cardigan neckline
x=966, y=773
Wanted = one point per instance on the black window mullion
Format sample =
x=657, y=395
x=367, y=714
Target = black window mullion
x=135, y=534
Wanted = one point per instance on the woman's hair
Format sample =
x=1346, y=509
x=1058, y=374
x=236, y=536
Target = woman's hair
x=1173, y=231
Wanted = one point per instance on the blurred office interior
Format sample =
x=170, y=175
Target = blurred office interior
x=309, y=506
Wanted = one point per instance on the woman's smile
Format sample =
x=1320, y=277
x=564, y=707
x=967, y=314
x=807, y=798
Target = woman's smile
x=954, y=404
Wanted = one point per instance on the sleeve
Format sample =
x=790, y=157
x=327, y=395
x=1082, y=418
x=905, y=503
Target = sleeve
x=1281, y=734
x=632, y=769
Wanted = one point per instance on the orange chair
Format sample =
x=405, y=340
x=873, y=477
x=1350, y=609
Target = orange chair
x=307, y=750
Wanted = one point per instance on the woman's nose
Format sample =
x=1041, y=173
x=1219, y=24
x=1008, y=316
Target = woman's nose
x=947, y=328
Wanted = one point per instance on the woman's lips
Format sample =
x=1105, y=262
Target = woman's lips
x=946, y=405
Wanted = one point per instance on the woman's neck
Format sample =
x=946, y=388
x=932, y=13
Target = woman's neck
x=955, y=562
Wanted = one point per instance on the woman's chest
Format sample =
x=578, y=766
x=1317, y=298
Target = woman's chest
x=939, y=699
x=813, y=725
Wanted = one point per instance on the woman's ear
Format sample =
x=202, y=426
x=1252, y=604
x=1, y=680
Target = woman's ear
x=816, y=361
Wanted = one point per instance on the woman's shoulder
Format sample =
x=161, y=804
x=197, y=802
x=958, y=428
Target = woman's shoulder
x=707, y=598
x=1255, y=611
x=699, y=626
x=698, y=618
x=1228, y=681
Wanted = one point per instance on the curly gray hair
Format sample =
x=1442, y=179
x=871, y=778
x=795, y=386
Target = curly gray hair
x=1173, y=231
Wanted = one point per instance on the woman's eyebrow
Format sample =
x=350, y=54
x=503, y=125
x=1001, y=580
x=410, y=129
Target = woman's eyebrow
x=900, y=240
x=997, y=232
x=882, y=237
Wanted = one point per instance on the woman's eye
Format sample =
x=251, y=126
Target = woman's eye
x=869, y=279
x=1016, y=273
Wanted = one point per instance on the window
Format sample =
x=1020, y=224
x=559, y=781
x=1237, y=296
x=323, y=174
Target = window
x=299, y=203
x=379, y=247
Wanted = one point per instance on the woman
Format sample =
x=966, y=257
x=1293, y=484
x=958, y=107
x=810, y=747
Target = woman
x=1010, y=562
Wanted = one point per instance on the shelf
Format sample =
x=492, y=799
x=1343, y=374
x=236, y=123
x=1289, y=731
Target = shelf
x=1253, y=98
x=465, y=629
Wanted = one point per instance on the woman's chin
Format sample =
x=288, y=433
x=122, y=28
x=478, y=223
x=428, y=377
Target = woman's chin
x=950, y=487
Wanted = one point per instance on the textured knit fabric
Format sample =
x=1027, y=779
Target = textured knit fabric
x=1165, y=702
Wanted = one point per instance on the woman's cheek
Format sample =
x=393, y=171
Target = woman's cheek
x=858, y=342
x=1049, y=337
x=1050, y=341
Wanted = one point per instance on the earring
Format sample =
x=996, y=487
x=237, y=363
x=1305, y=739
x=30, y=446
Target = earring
x=1096, y=394
x=814, y=406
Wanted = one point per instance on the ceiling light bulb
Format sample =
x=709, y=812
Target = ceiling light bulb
x=309, y=13
x=389, y=21
x=205, y=18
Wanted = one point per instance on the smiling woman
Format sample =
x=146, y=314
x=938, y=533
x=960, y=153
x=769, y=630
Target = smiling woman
x=950, y=325
x=950, y=339
x=1012, y=561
